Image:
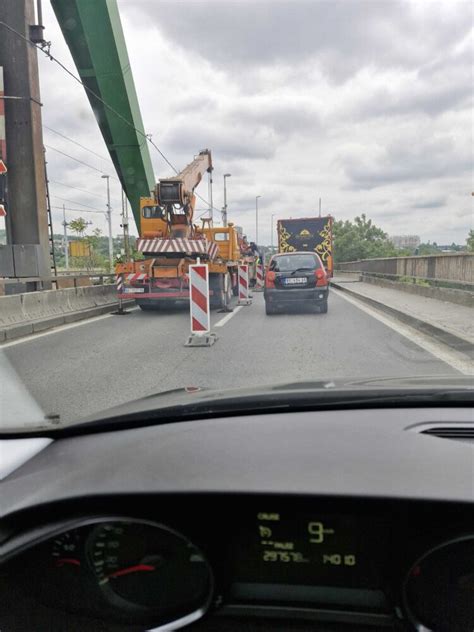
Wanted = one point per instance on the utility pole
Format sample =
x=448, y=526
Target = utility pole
x=273, y=215
x=224, y=214
x=109, y=221
x=27, y=219
x=66, y=245
x=126, y=235
x=256, y=218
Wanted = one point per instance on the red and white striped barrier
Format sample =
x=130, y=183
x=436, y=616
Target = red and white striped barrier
x=199, y=309
x=243, y=273
x=180, y=245
x=119, y=283
x=259, y=277
x=135, y=277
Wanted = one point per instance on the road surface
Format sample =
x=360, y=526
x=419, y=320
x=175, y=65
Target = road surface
x=83, y=368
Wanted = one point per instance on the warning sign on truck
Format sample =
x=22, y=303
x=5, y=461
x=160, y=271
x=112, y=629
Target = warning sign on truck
x=308, y=234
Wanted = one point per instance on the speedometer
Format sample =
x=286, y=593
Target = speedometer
x=150, y=570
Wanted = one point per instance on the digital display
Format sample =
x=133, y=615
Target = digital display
x=323, y=558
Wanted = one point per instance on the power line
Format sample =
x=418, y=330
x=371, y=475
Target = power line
x=70, y=186
x=81, y=162
x=96, y=96
x=78, y=203
x=76, y=210
x=71, y=140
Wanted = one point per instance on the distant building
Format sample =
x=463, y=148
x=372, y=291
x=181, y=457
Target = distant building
x=411, y=242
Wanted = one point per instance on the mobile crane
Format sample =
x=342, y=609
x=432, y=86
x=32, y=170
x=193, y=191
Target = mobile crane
x=170, y=242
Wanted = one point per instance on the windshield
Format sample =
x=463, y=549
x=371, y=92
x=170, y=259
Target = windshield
x=313, y=163
x=288, y=263
x=153, y=212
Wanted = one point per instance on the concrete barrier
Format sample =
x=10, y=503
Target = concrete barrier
x=460, y=297
x=81, y=298
x=457, y=267
x=105, y=294
x=11, y=310
x=22, y=314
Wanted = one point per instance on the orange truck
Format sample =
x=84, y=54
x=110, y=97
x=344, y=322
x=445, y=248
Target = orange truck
x=313, y=234
x=170, y=242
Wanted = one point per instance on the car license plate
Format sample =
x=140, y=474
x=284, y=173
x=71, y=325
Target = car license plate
x=133, y=290
x=296, y=281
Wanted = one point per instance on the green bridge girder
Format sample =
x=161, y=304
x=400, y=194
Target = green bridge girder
x=93, y=32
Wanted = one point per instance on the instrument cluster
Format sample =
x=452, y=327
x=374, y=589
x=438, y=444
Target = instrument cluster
x=138, y=571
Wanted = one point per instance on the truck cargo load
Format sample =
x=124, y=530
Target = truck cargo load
x=311, y=234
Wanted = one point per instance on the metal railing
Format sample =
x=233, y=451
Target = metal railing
x=54, y=282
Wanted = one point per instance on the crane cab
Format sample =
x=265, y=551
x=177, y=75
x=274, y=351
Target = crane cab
x=153, y=219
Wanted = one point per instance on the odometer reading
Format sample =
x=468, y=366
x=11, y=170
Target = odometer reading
x=325, y=550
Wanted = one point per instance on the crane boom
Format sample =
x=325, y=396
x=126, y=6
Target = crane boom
x=180, y=188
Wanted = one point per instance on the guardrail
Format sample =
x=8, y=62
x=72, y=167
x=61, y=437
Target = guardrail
x=450, y=267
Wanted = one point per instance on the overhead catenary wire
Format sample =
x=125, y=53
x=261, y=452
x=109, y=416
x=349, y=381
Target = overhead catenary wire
x=147, y=137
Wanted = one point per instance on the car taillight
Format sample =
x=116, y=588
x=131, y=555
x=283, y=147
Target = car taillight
x=321, y=277
x=270, y=279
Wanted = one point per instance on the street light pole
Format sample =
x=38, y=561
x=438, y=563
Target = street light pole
x=126, y=236
x=66, y=245
x=256, y=218
x=109, y=221
x=273, y=215
x=224, y=214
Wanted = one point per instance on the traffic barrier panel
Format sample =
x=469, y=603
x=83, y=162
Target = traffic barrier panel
x=244, y=298
x=199, y=310
x=259, y=278
x=119, y=288
x=119, y=283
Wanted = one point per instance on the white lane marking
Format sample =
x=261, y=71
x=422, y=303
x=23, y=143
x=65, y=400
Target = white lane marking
x=226, y=319
x=56, y=330
x=455, y=359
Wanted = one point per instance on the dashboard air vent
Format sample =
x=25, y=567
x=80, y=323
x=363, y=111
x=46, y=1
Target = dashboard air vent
x=458, y=433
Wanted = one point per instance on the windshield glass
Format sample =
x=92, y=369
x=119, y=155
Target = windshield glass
x=153, y=212
x=288, y=263
x=309, y=168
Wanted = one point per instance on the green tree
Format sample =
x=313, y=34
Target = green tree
x=95, y=259
x=78, y=226
x=470, y=241
x=361, y=239
x=428, y=249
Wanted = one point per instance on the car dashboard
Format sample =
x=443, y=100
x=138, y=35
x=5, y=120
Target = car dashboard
x=337, y=520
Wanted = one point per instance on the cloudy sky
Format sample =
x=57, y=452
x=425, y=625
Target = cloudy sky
x=366, y=104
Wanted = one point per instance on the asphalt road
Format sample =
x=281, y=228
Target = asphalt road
x=80, y=370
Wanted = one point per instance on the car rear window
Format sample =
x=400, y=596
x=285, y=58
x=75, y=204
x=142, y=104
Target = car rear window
x=288, y=263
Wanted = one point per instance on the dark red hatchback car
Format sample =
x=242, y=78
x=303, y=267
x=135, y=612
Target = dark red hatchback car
x=296, y=278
